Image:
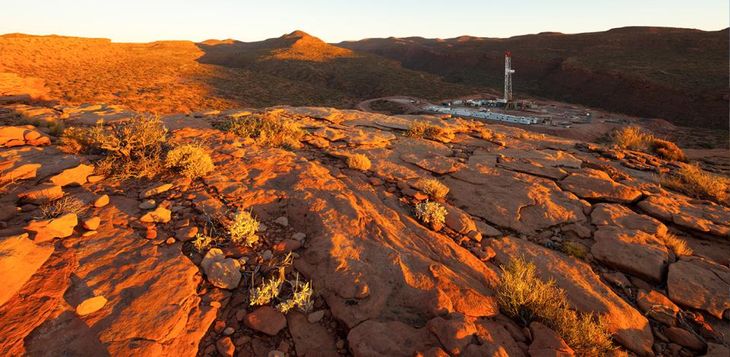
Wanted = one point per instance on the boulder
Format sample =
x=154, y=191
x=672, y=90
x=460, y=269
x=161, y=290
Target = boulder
x=684, y=338
x=49, y=229
x=222, y=272
x=700, y=284
x=657, y=306
x=19, y=260
x=310, y=339
x=75, y=176
x=265, y=319
x=454, y=332
x=597, y=185
x=608, y=214
x=22, y=135
x=41, y=194
x=584, y=289
x=546, y=342
x=389, y=338
x=631, y=251
x=91, y=305
x=159, y=215
x=700, y=216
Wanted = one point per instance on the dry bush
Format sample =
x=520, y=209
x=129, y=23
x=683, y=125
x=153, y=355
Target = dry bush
x=432, y=213
x=243, y=229
x=266, y=129
x=522, y=295
x=133, y=149
x=667, y=150
x=633, y=138
x=677, y=245
x=269, y=290
x=358, y=162
x=575, y=249
x=202, y=242
x=432, y=187
x=62, y=206
x=695, y=182
x=427, y=131
x=192, y=160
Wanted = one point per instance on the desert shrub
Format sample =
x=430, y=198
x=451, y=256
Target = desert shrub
x=677, y=245
x=266, y=129
x=301, y=297
x=202, y=242
x=243, y=229
x=432, y=187
x=416, y=130
x=522, y=295
x=268, y=291
x=191, y=160
x=695, y=182
x=431, y=213
x=133, y=149
x=358, y=162
x=667, y=150
x=62, y=206
x=633, y=138
x=575, y=249
x=427, y=131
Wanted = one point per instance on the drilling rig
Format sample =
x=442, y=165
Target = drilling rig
x=508, y=71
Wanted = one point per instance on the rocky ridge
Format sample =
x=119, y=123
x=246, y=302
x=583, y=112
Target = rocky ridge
x=122, y=277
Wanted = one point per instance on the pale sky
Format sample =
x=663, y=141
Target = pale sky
x=335, y=21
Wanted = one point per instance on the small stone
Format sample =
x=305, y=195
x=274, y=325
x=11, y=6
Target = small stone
x=170, y=241
x=340, y=344
x=92, y=223
x=159, y=215
x=684, y=338
x=282, y=221
x=298, y=236
x=267, y=255
x=95, y=178
x=287, y=245
x=276, y=353
x=229, y=331
x=101, y=201
x=225, y=347
x=262, y=228
x=186, y=233
x=155, y=190
x=88, y=234
x=147, y=204
x=315, y=316
x=240, y=314
x=266, y=319
x=151, y=233
x=91, y=305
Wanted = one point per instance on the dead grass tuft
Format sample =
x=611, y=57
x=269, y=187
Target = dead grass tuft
x=634, y=138
x=431, y=132
x=432, y=187
x=358, y=162
x=695, y=182
x=522, y=295
x=677, y=245
x=62, y=206
x=432, y=213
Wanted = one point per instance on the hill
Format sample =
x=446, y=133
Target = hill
x=670, y=73
x=361, y=236
x=172, y=76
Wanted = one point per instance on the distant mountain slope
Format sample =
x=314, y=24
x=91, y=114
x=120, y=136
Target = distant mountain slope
x=171, y=76
x=301, y=57
x=677, y=74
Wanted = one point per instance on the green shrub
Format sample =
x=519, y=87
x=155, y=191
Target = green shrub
x=191, y=160
x=243, y=229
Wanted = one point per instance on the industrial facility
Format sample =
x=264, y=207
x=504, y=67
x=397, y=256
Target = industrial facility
x=461, y=107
